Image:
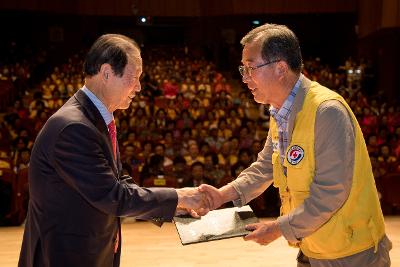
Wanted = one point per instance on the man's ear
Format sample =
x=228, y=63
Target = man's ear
x=281, y=67
x=105, y=71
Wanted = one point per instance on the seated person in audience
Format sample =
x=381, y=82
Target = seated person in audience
x=139, y=119
x=194, y=109
x=123, y=129
x=132, y=140
x=194, y=154
x=146, y=152
x=224, y=130
x=188, y=89
x=130, y=156
x=197, y=127
x=159, y=149
x=245, y=137
x=154, y=174
x=386, y=159
x=153, y=168
x=226, y=155
x=205, y=87
x=185, y=139
x=56, y=101
x=204, y=100
x=217, y=112
x=169, y=145
x=5, y=162
x=211, y=120
x=204, y=148
x=233, y=119
x=222, y=86
x=212, y=169
x=170, y=88
x=171, y=110
x=213, y=139
x=372, y=145
x=161, y=119
x=184, y=120
x=197, y=176
x=23, y=160
x=181, y=102
x=179, y=170
x=244, y=161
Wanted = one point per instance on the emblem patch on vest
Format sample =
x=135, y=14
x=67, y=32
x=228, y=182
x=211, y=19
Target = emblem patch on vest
x=295, y=154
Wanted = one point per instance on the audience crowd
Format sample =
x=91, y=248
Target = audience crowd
x=191, y=124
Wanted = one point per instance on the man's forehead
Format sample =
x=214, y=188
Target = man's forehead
x=251, y=52
x=135, y=63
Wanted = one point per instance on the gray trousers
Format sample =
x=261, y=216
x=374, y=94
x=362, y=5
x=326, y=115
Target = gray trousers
x=366, y=258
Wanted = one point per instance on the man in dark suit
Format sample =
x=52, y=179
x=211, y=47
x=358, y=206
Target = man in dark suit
x=76, y=188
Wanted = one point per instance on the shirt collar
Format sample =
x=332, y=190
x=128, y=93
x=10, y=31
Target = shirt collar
x=107, y=116
x=284, y=111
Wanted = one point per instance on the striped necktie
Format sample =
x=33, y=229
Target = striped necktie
x=112, y=130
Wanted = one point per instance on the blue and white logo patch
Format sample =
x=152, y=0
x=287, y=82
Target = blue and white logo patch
x=295, y=154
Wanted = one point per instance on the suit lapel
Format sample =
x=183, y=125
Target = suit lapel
x=93, y=114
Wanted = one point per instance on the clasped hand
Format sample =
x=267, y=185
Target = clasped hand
x=198, y=201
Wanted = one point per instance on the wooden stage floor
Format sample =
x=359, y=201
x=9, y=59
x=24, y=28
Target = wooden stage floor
x=147, y=245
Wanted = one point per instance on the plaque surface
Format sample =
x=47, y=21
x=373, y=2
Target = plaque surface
x=217, y=224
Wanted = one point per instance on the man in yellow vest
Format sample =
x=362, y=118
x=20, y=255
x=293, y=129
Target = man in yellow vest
x=315, y=154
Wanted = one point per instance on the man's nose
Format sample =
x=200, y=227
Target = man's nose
x=245, y=78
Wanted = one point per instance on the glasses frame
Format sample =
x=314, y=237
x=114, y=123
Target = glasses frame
x=246, y=70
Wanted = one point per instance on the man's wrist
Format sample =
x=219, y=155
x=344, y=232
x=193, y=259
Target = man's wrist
x=228, y=193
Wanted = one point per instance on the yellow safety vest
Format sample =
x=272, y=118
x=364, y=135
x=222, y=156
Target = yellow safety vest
x=358, y=224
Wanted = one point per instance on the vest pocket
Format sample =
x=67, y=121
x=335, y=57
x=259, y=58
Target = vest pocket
x=334, y=236
x=300, y=166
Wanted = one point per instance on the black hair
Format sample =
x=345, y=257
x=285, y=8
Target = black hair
x=113, y=49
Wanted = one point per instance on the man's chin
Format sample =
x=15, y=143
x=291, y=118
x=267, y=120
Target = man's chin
x=127, y=105
x=258, y=101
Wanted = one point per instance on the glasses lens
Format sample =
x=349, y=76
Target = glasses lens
x=242, y=70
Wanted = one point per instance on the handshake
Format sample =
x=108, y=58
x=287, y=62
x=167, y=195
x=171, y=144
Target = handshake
x=198, y=201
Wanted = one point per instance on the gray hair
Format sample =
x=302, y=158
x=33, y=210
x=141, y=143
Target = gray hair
x=278, y=43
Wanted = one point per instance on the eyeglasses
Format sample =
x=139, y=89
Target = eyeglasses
x=246, y=70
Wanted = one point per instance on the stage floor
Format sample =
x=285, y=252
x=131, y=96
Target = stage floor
x=147, y=245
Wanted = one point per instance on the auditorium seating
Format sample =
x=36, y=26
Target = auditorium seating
x=389, y=187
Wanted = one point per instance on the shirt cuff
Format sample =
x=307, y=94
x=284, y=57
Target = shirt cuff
x=240, y=202
x=286, y=229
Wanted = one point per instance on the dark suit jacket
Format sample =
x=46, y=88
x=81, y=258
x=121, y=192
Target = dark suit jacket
x=77, y=195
